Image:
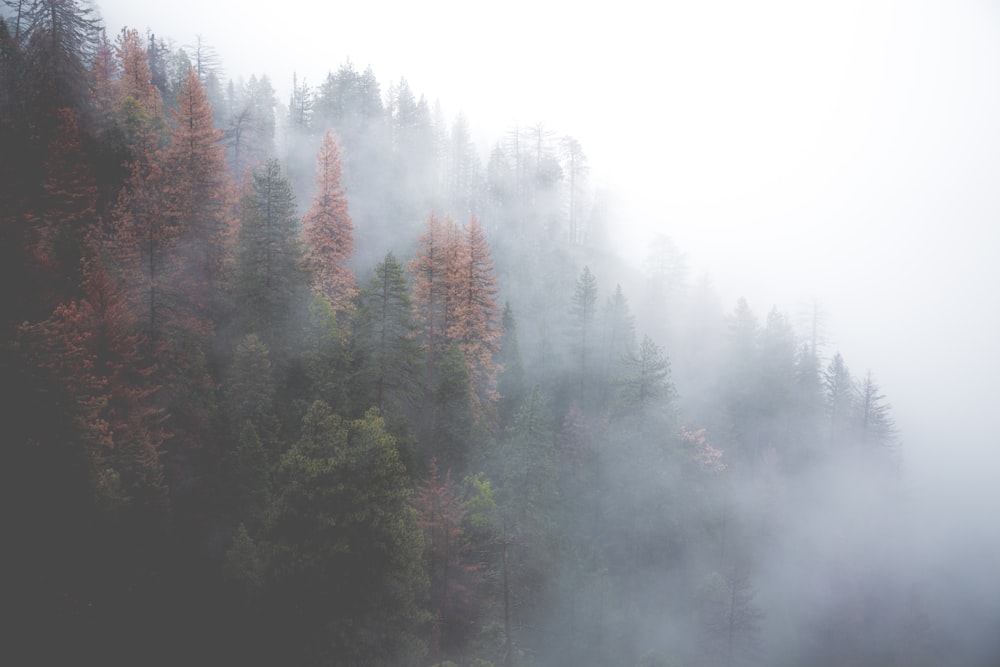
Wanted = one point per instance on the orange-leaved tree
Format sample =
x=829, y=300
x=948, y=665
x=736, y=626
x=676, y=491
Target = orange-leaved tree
x=328, y=232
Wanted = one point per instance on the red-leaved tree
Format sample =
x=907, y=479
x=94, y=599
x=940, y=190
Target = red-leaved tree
x=456, y=574
x=328, y=232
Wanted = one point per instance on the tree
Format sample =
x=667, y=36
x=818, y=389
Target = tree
x=453, y=411
x=328, y=232
x=577, y=169
x=456, y=574
x=346, y=548
x=136, y=77
x=646, y=392
x=199, y=201
x=66, y=215
x=873, y=418
x=250, y=388
x=430, y=269
x=840, y=394
x=583, y=314
x=730, y=621
x=473, y=313
x=510, y=380
x=387, y=335
x=60, y=37
x=618, y=338
x=270, y=277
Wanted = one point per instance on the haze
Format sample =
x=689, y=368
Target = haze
x=842, y=156
x=846, y=153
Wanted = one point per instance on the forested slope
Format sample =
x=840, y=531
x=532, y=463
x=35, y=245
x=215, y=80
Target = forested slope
x=316, y=383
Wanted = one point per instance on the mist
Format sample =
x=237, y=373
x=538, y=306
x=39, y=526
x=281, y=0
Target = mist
x=723, y=396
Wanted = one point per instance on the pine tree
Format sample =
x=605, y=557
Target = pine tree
x=473, y=318
x=840, y=394
x=136, y=77
x=270, y=276
x=66, y=214
x=873, y=419
x=618, y=338
x=328, y=231
x=583, y=314
x=199, y=199
x=453, y=414
x=456, y=574
x=646, y=394
x=347, y=551
x=429, y=268
x=387, y=335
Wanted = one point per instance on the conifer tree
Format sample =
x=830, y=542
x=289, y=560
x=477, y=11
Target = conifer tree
x=873, y=418
x=840, y=394
x=270, y=276
x=136, y=77
x=583, y=314
x=456, y=574
x=66, y=214
x=429, y=268
x=387, y=335
x=200, y=201
x=473, y=318
x=328, y=231
x=347, y=551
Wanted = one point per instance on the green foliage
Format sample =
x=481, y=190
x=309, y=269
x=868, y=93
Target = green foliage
x=452, y=434
x=271, y=279
x=347, y=551
x=386, y=337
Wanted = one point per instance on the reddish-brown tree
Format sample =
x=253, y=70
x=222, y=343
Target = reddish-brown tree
x=136, y=78
x=90, y=347
x=328, y=232
x=142, y=240
x=474, y=317
x=200, y=199
x=66, y=214
x=456, y=575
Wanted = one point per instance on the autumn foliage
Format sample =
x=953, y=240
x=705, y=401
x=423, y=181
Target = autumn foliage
x=328, y=232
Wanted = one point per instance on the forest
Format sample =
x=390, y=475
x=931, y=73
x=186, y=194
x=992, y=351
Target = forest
x=313, y=382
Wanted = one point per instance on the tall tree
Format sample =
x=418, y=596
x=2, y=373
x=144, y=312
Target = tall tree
x=873, y=418
x=583, y=316
x=473, y=322
x=647, y=393
x=328, y=231
x=66, y=214
x=199, y=200
x=347, y=550
x=429, y=268
x=270, y=277
x=387, y=335
x=456, y=573
x=840, y=394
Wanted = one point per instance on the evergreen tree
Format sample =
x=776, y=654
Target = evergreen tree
x=346, y=549
x=328, y=232
x=874, y=422
x=473, y=313
x=456, y=573
x=270, y=277
x=392, y=355
x=840, y=394
x=583, y=316
x=199, y=199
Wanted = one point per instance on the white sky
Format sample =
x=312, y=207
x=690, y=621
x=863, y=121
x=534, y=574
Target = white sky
x=845, y=151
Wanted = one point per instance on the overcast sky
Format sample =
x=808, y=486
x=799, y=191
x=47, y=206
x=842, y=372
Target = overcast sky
x=847, y=152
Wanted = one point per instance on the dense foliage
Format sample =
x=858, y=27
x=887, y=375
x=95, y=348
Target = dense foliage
x=413, y=424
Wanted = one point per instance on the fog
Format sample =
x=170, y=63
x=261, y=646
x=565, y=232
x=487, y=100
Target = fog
x=844, y=154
